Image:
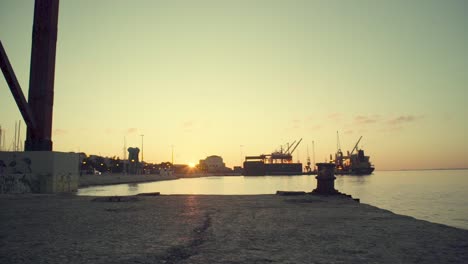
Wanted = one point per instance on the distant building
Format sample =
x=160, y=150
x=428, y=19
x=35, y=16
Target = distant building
x=213, y=164
x=134, y=162
x=181, y=168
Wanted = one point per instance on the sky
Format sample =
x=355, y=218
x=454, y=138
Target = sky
x=236, y=78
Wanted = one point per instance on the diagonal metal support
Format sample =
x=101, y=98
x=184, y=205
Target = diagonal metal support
x=15, y=89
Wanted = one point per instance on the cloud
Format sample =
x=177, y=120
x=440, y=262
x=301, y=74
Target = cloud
x=403, y=119
x=59, y=132
x=391, y=129
x=296, y=123
x=335, y=116
x=360, y=119
x=132, y=130
x=398, y=123
x=187, y=124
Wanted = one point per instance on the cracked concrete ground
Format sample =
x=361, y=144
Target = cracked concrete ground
x=218, y=229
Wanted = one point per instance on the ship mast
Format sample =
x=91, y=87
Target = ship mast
x=307, y=167
x=338, y=146
x=313, y=154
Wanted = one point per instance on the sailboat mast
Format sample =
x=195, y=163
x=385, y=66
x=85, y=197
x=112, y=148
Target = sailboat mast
x=18, y=145
x=125, y=155
x=14, y=140
x=313, y=153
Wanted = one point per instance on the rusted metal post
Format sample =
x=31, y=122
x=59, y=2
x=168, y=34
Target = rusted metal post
x=42, y=73
x=325, y=179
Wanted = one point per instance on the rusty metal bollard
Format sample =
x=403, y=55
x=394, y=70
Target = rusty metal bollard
x=325, y=179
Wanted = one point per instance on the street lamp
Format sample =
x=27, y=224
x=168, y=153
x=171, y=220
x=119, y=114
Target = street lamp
x=172, y=146
x=141, y=148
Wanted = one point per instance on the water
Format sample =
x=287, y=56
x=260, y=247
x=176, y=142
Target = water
x=438, y=196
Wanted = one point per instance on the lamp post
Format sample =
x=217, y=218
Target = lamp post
x=172, y=146
x=142, y=148
x=142, y=166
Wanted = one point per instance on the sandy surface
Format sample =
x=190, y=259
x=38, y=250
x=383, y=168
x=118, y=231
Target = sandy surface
x=218, y=229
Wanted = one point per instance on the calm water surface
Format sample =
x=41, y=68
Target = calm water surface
x=439, y=196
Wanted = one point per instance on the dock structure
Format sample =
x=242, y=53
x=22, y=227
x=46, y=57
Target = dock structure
x=218, y=229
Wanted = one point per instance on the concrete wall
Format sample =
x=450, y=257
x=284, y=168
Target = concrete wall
x=38, y=172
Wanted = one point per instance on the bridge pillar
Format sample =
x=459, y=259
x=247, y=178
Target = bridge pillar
x=42, y=74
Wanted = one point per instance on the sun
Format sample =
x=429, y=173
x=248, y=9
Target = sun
x=191, y=165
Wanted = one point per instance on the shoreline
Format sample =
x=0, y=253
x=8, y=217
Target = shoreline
x=114, y=179
x=218, y=229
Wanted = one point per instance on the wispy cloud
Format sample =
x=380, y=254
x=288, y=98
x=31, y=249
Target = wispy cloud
x=132, y=130
x=187, y=124
x=296, y=123
x=403, y=119
x=361, y=119
x=59, y=132
x=335, y=116
x=391, y=129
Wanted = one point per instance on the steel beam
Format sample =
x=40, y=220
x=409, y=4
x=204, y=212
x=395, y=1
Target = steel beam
x=15, y=89
x=42, y=73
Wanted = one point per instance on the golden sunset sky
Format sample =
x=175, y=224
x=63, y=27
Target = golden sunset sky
x=233, y=78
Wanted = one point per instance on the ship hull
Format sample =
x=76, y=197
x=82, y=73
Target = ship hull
x=356, y=171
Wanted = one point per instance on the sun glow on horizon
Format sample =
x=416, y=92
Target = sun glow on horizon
x=191, y=165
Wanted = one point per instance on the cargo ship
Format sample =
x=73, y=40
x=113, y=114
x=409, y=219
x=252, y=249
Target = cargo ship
x=276, y=163
x=353, y=163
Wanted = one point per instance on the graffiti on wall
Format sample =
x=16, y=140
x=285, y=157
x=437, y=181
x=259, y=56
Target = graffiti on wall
x=16, y=176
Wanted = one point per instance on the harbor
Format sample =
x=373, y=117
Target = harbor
x=280, y=162
x=147, y=132
x=436, y=196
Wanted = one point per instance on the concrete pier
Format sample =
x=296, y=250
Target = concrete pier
x=218, y=229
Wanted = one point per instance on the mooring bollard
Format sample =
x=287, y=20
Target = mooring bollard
x=325, y=179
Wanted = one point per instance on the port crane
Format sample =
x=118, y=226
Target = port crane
x=295, y=147
x=355, y=147
x=339, y=153
x=277, y=163
x=356, y=164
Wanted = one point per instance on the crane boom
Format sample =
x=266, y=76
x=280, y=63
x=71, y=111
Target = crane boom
x=296, y=146
x=338, y=145
x=289, y=146
x=355, y=147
